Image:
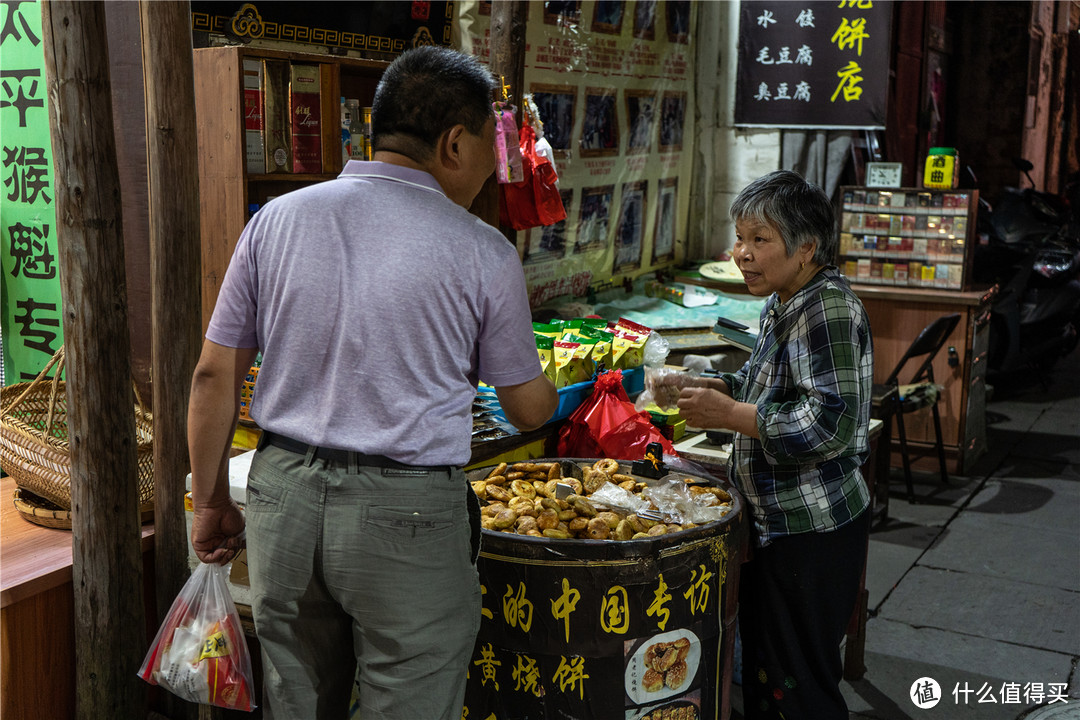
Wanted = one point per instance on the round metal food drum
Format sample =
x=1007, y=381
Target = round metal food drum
x=640, y=629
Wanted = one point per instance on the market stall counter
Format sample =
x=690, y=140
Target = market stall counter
x=37, y=620
x=601, y=596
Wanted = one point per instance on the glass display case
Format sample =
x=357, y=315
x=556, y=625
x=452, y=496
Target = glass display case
x=907, y=237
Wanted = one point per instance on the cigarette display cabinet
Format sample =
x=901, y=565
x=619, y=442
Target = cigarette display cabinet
x=908, y=237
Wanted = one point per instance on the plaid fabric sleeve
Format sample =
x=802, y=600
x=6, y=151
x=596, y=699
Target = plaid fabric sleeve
x=822, y=351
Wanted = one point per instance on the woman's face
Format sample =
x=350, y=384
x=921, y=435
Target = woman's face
x=761, y=256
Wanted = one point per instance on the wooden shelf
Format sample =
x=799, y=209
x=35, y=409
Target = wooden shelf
x=301, y=178
x=225, y=187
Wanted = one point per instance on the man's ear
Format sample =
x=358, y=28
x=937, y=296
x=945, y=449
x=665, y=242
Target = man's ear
x=450, y=147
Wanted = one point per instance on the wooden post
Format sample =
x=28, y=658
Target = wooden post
x=110, y=640
x=508, y=21
x=175, y=261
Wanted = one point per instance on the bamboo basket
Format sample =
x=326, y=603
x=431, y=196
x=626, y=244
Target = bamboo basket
x=34, y=448
x=41, y=512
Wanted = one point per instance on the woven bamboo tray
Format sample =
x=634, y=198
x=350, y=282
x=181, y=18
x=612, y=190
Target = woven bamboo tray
x=41, y=512
x=34, y=448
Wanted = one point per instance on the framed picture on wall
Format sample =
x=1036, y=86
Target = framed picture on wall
x=592, y=229
x=678, y=20
x=548, y=242
x=630, y=232
x=607, y=16
x=672, y=117
x=600, y=131
x=562, y=12
x=641, y=116
x=556, y=105
x=645, y=19
x=667, y=206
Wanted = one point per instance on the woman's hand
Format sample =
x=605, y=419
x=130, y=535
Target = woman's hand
x=709, y=409
x=704, y=408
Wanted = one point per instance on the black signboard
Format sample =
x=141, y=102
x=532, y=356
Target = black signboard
x=813, y=64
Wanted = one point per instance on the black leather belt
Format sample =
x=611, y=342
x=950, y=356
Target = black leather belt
x=342, y=457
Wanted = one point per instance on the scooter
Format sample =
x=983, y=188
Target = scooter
x=1029, y=246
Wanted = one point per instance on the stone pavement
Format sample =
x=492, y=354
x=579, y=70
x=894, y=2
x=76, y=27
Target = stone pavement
x=977, y=586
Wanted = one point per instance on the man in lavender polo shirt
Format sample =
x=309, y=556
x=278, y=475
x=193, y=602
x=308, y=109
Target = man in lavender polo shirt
x=378, y=302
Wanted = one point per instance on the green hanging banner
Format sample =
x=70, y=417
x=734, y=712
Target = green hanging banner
x=30, y=289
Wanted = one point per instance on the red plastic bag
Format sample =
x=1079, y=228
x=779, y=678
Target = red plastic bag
x=608, y=426
x=534, y=201
x=200, y=653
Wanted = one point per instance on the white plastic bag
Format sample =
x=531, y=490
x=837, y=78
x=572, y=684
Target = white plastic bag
x=200, y=653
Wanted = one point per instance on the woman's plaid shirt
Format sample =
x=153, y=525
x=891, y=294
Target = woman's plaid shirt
x=810, y=376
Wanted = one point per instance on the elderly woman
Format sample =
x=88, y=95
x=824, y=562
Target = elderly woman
x=800, y=410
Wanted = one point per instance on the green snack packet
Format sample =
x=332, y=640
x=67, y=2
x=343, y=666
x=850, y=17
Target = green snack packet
x=547, y=330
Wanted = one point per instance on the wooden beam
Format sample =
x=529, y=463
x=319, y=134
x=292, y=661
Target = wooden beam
x=106, y=560
x=175, y=249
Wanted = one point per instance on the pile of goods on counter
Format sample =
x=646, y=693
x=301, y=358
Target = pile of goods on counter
x=575, y=350
x=598, y=501
x=571, y=353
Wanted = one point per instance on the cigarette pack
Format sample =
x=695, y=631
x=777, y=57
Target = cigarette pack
x=305, y=116
x=253, y=116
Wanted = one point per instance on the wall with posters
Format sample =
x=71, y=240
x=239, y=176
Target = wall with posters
x=613, y=83
x=30, y=288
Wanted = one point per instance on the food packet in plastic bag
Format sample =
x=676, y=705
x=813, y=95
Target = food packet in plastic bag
x=662, y=387
x=200, y=653
x=674, y=498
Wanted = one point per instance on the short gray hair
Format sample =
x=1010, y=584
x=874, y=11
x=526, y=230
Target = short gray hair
x=800, y=210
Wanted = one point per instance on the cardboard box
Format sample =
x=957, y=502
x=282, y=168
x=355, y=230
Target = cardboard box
x=278, y=145
x=254, y=142
x=305, y=118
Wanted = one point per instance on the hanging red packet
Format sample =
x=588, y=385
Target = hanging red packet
x=508, y=168
x=535, y=200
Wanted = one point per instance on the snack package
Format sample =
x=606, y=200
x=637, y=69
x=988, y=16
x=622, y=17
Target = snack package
x=663, y=386
x=547, y=330
x=627, y=350
x=545, y=347
x=629, y=344
x=200, y=653
x=583, y=354
x=564, y=366
x=601, y=353
x=594, y=323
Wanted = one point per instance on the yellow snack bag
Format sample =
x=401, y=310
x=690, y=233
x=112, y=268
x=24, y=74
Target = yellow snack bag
x=602, y=351
x=545, y=348
x=564, y=366
x=583, y=356
x=629, y=344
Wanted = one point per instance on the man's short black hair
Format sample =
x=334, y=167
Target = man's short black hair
x=423, y=93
